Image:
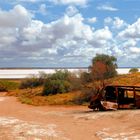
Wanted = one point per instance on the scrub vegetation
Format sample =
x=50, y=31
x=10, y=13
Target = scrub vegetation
x=66, y=88
x=8, y=85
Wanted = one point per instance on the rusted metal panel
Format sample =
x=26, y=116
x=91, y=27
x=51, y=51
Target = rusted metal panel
x=126, y=106
x=137, y=101
x=109, y=105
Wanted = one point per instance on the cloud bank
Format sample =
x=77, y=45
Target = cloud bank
x=67, y=41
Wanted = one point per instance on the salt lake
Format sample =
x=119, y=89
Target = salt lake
x=18, y=73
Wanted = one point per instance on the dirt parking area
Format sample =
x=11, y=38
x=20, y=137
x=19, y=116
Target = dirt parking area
x=25, y=122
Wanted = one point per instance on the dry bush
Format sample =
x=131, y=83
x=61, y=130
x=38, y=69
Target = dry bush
x=63, y=99
x=126, y=79
x=58, y=99
x=6, y=85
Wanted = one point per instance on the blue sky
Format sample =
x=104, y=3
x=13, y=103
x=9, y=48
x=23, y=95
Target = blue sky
x=68, y=33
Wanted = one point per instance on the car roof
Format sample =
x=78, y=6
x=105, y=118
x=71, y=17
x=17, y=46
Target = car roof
x=126, y=87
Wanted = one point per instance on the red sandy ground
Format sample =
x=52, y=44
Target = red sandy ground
x=24, y=122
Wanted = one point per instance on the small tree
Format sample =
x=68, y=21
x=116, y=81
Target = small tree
x=103, y=67
x=133, y=70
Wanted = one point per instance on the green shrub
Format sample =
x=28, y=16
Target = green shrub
x=56, y=86
x=133, y=70
x=33, y=81
x=3, y=87
x=60, y=74
x=8, y=85
x=60, y=82
x=30, y=83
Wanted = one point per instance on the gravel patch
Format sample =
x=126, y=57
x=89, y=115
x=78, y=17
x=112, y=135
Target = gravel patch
x=112, y=134
x=14, y=129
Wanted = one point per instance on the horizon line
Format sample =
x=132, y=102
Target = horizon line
x=54, y=67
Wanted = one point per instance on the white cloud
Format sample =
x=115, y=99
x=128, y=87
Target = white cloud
x=11, y=23
x=92, y=20
x=17, y=17
x=43, y=9
x=67, y=2
x=30, y=34
x=135, y=50
x=103, y=34
x=115, y=22
x=71, y=10
x=132, y=31
x=100, y=40
x=129, y=43
x=7, y=40
x=107, y=7
x=70, y=27
x=118, y=23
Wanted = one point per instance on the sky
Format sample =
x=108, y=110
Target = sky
x=68, y=33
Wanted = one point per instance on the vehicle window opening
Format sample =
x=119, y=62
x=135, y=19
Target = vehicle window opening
x=110, y=93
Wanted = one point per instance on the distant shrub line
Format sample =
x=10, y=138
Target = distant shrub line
x=62, y=81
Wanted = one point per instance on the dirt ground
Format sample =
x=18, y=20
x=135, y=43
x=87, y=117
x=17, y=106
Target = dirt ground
x=25, y=122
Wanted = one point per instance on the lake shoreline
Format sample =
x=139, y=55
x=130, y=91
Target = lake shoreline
x=20, y=73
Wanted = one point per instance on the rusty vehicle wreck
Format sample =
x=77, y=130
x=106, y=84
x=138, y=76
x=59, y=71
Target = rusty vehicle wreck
x=113, y=97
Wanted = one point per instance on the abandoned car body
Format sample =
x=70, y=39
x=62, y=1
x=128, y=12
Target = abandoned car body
x=115, y=97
